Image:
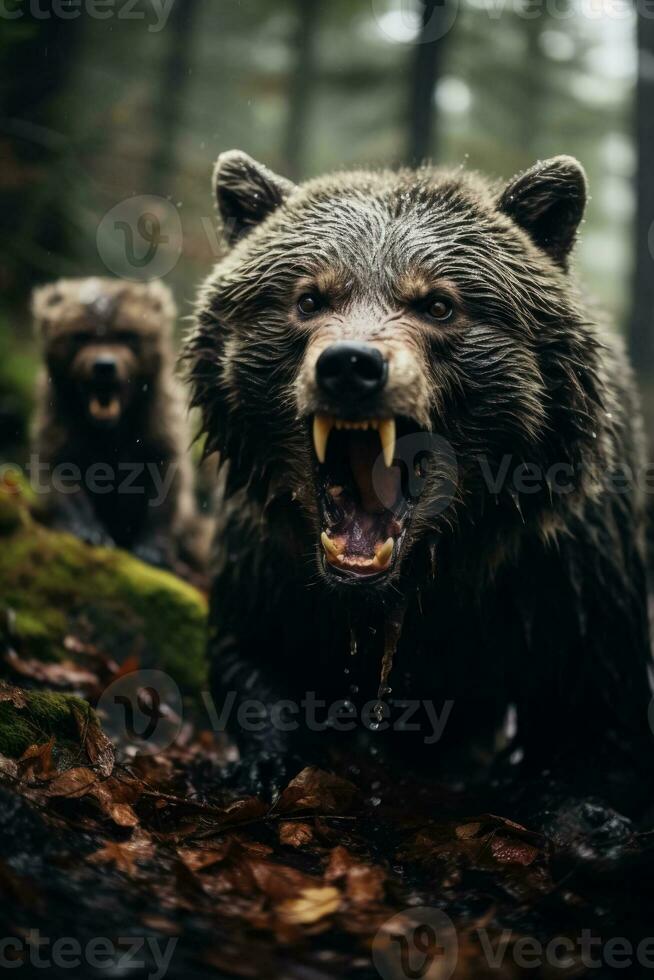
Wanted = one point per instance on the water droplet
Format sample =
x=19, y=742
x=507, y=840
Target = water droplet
x=375, y=800
x=354, y=688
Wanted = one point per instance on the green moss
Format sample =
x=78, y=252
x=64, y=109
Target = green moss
x=18, y=365
x=45, y=714
x=57, y=584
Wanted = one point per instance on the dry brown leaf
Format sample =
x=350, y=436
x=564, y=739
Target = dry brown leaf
x=8, y=768
x=94, y=741
x=513, y=851
x=314, y=789
x=311, y=905
x=124, y=855
x=60, y=674
x=73, y=783
x=36, y=760
x=340, y=862
x=244, y=811
x=295, y=833
x=12, y=694
x=123, y=815
x=466, y=830
x=196, y=859
x=364, y=883
x=277, y=881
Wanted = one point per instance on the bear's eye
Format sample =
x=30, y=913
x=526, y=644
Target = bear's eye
x=439, y=308
x=308, y=304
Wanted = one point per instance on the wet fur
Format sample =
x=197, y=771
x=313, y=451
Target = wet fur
x=152, y=431
x=534, y=600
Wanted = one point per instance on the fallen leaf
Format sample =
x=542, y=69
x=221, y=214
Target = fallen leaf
x=467, y=830
x=364, y=883
x=278, y=881
x=72, y=783
x=295, y=833
x=59, y=674
x=8, y=768
x=95, y=743
x=196, y=859
x=513, y=851
x=124, y=855
x=36, y=760
x=12, y=694
x=315, y=789
x=311, y=905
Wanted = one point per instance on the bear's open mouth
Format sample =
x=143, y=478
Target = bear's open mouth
x=363, y=503
x=104, y=404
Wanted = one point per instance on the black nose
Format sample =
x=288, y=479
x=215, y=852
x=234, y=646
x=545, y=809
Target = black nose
x=104, y=369
x=351, y=370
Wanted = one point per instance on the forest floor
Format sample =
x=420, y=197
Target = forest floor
x=146, y=869
x=124, y=863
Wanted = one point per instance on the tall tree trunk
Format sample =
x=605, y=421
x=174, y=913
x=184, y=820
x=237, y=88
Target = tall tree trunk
x=302, y=85
x=641, y=333
x=35, y=58
x=169, y=111
x=425, y=70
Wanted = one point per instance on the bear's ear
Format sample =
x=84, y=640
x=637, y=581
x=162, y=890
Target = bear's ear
x=160, y=298
x=45, y=304
x=548, y=202
x=246, y=192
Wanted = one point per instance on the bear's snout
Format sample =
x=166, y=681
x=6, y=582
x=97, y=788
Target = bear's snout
x=351, y=371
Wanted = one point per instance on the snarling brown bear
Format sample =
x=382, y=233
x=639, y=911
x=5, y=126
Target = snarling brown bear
x=431, y=459
x=111, y=437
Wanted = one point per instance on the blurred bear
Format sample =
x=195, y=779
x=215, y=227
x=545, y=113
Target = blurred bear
x=110, y=436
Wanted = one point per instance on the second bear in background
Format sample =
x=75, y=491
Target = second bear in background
x=111, y=437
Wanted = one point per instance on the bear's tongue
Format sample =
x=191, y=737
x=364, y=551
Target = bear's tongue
x=361, y=532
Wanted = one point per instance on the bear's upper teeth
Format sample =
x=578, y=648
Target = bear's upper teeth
x=323, y=425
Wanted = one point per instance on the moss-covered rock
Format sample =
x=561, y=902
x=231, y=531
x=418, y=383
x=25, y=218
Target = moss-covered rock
x=57, y=585
x=33, y=717
x=18, y=365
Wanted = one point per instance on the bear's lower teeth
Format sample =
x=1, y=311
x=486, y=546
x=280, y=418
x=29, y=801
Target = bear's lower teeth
x=337, y=555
